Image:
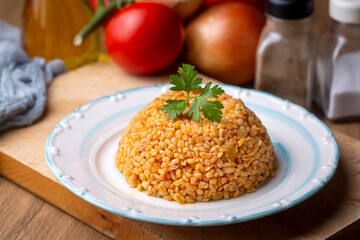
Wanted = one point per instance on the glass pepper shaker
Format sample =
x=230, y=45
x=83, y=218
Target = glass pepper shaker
x=284, y=58
x=337, y=82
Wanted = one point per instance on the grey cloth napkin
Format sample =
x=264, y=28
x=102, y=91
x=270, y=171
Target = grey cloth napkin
x=23, y=81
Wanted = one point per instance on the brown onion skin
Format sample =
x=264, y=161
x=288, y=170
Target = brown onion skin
x=222, y=41
x=187, y=9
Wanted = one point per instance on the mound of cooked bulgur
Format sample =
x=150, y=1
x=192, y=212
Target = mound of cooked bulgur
x=188, y=161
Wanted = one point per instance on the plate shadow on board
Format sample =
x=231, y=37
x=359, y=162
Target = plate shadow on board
x=302, y=219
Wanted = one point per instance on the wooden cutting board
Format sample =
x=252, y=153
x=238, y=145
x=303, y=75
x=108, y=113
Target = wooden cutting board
x=22, y=160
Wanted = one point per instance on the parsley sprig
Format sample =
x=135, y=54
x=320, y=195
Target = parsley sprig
x=187, y=81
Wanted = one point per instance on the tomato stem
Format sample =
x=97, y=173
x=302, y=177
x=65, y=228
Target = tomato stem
x=101, y=15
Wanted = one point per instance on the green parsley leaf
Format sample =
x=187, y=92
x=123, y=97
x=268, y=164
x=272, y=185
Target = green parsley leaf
x=211, y=109
x=194, y=110
x=187, y=81
x=178, y=83
x=213, y=92
x=174, y=108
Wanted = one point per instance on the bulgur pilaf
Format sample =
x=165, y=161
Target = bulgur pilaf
x=189, y=161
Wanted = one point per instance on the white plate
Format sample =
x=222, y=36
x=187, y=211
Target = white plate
x=80, y=152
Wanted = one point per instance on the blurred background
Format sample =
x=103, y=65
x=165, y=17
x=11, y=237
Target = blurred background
x=12, y=12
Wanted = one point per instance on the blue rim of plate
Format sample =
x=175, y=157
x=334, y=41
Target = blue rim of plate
x=141, y=217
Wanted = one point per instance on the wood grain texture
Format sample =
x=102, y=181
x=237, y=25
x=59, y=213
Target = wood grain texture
x=53, y=192
x=26, y=165
x=317, y=218
x=22, y=216
x=332, y=209
x=327, y=212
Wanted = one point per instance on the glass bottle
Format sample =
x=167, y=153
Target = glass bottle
x=49, y=27
x=284, y=58
x=337, y=82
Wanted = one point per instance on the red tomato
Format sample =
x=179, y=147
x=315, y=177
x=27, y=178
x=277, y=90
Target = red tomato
x=144, y=38
x=260, y=4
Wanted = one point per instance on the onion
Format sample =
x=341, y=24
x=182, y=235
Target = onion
x=222, y=41
x=260, y=4
x=187, y=8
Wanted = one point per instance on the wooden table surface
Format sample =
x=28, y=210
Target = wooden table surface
x=25, y=216
x=22, y=214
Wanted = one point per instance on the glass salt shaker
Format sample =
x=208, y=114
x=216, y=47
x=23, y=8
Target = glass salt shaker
x=337, y=82
x=284, y=58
